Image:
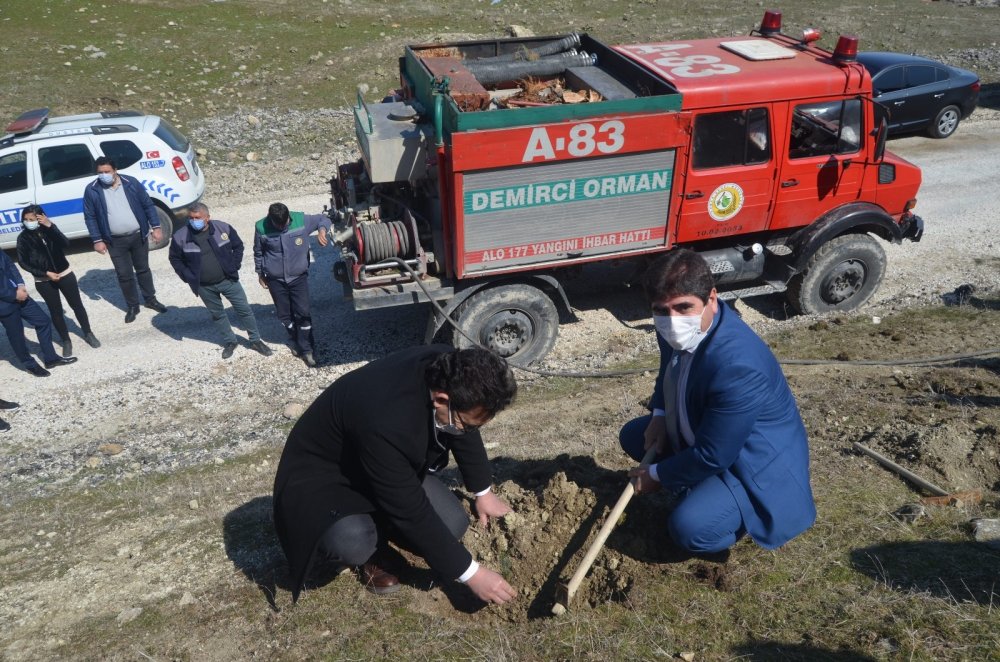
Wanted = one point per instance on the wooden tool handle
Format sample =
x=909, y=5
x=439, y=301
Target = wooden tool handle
x=905, y=473
x=602, y=535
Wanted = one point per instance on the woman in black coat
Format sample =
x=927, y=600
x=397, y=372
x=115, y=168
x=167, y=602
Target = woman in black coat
x=41, y=251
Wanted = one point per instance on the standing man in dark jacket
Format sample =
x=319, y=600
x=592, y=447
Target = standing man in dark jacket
x=358, y=467
x=281, y=258
x=725, y=426
x=120, y=216
x=16, y=308
x=206, y=254
x=41, y=251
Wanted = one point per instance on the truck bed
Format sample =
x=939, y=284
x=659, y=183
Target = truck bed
x=625, y=87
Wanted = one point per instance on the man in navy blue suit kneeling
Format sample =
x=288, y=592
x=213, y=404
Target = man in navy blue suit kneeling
x=724, y=423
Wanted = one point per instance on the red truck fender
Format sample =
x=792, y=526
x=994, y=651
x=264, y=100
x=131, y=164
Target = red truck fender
x=852, y=218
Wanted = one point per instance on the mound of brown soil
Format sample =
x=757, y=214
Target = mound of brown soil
x=558, y=508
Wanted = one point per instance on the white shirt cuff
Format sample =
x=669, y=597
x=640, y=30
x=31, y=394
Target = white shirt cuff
x=653, y=474
x=486, y=491
x=467, y=575
x=659, y=412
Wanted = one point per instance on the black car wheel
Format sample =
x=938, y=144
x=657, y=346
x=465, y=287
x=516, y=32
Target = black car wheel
x=945, y=122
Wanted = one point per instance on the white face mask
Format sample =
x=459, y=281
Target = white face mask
x=31, y=225
x=682, y=332
x=107, y=178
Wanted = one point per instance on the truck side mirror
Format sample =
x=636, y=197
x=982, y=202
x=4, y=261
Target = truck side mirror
x=880, y=136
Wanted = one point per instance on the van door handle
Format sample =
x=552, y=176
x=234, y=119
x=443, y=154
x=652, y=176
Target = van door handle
x=693, y=195
x=790, y=183
x=939, y=95
x=898, y=103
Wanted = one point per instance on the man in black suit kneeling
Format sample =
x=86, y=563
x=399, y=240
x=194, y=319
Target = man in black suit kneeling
x=359, y=467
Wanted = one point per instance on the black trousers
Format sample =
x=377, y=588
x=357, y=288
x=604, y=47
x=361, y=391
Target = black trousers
x=67, y=285
x=291, y=303
x=353, y=539
x=130, y=255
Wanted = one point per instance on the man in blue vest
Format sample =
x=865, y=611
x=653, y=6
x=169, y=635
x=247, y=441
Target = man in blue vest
x=206, y=254
x=725, y=426
x=281, y=258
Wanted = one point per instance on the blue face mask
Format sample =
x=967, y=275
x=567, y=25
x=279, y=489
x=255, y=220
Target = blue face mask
x=197, y=224
x=107, y=178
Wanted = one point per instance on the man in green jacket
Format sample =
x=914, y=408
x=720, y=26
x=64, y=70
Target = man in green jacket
x=281, y=258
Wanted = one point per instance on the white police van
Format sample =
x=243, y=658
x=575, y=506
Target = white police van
x=49, y=160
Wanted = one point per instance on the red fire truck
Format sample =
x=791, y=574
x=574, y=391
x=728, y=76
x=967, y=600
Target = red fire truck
x=766, y=154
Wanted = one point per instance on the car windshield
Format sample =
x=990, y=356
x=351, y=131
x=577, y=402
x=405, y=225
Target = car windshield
x=168, y=134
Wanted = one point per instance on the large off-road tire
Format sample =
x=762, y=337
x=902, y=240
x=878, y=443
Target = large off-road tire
x=841, y=276
x=167, y=225
x=519, y=322
x=945, y=122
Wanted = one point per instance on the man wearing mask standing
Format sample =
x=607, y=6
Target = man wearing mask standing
x=725, y=426
x=207, y=255
x=120, y=216
x=281, y=258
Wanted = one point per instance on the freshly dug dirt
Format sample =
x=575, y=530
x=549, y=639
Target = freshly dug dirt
x=558, y=508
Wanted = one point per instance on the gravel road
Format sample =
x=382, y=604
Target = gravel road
x=157, y=395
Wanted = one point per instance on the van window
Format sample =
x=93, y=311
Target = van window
x=123, y=152
x=14, y=172
x=731, y=138
x=65, y=162
x=174, y=138
x=820, y=129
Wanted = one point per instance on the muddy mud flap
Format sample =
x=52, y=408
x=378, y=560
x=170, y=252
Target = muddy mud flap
x=913, y=228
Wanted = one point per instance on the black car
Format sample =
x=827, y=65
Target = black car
x=921, y=94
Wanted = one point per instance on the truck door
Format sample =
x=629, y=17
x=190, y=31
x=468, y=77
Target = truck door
x=730, y=177
x=824, y=165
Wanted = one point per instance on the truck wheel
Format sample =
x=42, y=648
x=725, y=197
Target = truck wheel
x=945, y=122
x=841, y=276
x=518, y=322
x=167, y=224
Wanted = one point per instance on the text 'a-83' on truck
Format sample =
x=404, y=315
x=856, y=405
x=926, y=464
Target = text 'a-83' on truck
x=499, y=164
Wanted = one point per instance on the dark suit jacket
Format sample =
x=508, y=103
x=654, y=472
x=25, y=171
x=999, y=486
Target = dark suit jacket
x=10, y=278
x=747, y=431
x=364, y=446
x=95, y=209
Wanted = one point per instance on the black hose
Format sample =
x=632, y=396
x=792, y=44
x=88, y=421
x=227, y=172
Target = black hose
x=488, y=74
x=551, y=48
x=639, y=371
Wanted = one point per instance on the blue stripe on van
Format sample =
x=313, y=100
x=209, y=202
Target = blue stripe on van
x=52, y=210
